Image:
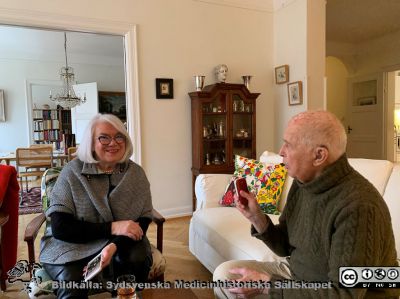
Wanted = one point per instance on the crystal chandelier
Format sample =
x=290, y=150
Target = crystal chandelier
x=67, y=97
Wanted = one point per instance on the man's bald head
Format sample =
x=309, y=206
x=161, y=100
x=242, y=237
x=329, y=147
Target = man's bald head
x=320, y=128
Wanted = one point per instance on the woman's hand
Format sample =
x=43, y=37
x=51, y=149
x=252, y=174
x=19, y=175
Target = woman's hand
x=106, y=254
x=252, y=211
x=249, y=275
x=127, y=228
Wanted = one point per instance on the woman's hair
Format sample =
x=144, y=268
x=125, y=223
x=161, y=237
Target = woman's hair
x=85, y=150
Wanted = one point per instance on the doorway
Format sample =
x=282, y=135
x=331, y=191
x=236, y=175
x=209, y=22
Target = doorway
x=126, y=30
x=393, y=114
x=359, y=102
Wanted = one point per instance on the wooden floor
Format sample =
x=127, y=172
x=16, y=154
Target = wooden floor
x=181, y=264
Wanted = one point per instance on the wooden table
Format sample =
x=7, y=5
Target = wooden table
x=10, y=157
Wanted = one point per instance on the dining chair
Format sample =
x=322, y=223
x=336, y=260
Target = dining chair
x=71, y=152
x=32, y=162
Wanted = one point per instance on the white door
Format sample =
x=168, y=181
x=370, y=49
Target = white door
x=81, y=114
x=364, y=118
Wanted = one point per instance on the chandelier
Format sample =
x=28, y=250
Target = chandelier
x=67, y=97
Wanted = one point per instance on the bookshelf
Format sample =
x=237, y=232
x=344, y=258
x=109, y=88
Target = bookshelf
x=49, y=125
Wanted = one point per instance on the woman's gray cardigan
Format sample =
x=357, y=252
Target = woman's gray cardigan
x=83, y=192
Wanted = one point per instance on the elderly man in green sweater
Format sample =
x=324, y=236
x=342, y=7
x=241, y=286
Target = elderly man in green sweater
x=333, y=217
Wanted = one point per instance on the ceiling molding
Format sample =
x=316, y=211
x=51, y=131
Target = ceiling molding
x=259, y=5
x=280, y=4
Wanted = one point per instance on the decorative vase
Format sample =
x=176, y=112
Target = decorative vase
x=246, y=81
x=199, y=82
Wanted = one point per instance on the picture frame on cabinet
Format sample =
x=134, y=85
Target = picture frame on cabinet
x=282, y=74
x=295, y=93
x=2, y=109
x=164, y=88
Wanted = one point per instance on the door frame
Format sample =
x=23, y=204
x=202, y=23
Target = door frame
x=29, y=84
x=388, y=112
x=380, y=106
x=48, y=20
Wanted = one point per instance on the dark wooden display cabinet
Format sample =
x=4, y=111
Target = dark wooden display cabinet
x=223, y=125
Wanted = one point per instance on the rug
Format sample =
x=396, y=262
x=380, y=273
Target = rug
x=31, y=202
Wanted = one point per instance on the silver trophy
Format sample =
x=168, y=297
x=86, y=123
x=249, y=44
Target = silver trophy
x=246, y=81
x=199, y=82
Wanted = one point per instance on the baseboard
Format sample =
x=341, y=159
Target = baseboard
x=176, y=212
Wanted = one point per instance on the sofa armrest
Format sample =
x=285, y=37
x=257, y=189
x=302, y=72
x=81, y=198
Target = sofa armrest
x=392, y=200
x=209, y=189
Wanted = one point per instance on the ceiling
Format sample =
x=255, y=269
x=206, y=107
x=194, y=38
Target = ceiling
x=355, y=21
x=349, y=21
x=39, y=44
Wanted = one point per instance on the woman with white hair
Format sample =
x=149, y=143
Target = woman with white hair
x=101, y=202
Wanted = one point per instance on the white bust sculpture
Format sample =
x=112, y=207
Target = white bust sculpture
x=221, y=72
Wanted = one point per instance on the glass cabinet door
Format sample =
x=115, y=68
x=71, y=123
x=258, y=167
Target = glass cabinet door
x=242, y=126
x=214, y=122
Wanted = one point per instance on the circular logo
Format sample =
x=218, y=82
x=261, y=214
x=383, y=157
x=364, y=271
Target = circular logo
x=367, y=274
x=392, y=274
x=348, y=277
x=380, y=274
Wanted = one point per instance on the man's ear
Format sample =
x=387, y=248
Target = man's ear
x=321, y=155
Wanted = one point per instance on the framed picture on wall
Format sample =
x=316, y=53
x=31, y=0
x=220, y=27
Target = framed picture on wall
x=164, y=88
x=295, y=93
x=113, y=102
x=282, y=74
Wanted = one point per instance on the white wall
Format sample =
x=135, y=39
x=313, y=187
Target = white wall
x=178, y=39
x=290, y=47
x=299, y=41
x=194, y=42
x=337, y=92
x=315, y=54
x=13, y=77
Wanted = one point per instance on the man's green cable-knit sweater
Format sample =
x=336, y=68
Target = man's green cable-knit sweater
x=338, y=219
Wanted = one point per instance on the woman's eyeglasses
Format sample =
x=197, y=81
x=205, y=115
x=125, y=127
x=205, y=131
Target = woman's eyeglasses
x=106, y=140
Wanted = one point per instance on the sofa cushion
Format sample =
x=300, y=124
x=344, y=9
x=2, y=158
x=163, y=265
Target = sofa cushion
x=264, y=180
x=214, y=226
x=392, y=200
x=227, y=199
x=375, y=171
x=271, y=157
x=209, y=188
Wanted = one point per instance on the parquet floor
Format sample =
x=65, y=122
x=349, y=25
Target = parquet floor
x=181, y=264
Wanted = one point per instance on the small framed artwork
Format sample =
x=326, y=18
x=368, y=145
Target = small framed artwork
x=113, y=102
x=282, y=74
x=164, y=88
x=295, y=93
x=2, y=110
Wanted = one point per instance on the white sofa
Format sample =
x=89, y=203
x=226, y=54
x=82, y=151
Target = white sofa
x=219, y=234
